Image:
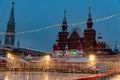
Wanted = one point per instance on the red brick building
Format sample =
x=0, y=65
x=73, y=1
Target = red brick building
x=86, y=42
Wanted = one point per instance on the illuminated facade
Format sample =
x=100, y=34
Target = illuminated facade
x=76, y=41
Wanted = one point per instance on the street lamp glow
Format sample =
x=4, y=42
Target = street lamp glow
x=92, y=58
x=47, y=57
x=9, y=55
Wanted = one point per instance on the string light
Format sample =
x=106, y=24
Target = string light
x=57, y=25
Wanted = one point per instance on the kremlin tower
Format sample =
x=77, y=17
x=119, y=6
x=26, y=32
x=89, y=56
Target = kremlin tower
x=89, y=35
x=10, y=32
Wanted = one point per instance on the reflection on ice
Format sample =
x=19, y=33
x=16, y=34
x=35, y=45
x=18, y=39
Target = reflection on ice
x=40, y=76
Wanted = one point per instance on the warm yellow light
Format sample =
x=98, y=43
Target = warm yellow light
x=47, y=57
x=92, y=58
x=6, y=77
x=8, y=55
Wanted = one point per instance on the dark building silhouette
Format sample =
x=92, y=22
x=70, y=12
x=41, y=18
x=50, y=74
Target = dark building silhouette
x=10, y=32
x=86, y=42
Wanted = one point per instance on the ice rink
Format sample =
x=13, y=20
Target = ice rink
x=41, y=76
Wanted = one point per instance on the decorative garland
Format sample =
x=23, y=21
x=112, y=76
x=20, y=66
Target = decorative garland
x=56, y=25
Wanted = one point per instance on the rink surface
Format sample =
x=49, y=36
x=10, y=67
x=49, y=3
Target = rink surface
x=41, y=76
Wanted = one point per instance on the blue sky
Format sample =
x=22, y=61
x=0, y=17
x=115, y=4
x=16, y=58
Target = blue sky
x=34, y=14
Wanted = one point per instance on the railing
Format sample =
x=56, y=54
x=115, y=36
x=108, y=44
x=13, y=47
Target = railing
x=101, y=76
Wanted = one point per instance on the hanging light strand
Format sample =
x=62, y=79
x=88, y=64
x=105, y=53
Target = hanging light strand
x=57, y=25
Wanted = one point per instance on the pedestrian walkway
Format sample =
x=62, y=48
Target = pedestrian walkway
x=116, y=77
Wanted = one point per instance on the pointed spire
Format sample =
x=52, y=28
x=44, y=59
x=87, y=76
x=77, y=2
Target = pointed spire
x=116, y=48
x=64, y=25
x=18, y=43
x=89, y=22
x=99, y=37
x=99, y=33
x=66, y=47
x=64, y=19
x=89, y=16
x=0, y=42
x=11, y=20
x=115, y=44
x=10, y=38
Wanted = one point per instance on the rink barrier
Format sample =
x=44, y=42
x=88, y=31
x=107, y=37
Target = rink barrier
x=101, y=76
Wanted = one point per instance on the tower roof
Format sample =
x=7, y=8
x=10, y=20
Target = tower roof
x=89, y=16
x=18, y=43
x=10, y=38
x=64, y=19
x=64, y=25
x=99, y=37
x=89, y=22
x=78, y=31
x=11, y=19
